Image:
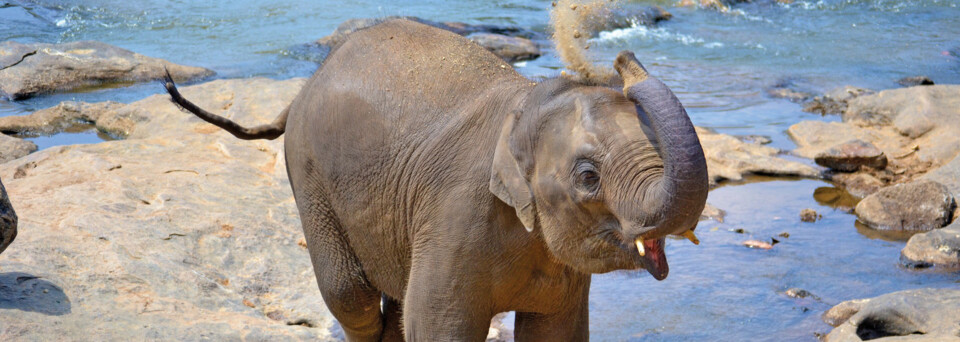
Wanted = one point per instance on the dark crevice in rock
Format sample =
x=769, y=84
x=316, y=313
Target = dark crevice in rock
x=301, y=322
x=22, y=58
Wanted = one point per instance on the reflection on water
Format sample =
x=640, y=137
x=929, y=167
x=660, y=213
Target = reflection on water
x=885, y=234
x=835, y=198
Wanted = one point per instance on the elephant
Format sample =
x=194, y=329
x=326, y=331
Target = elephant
x=8, y=220
x=438, y=187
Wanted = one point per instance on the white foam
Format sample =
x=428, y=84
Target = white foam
x=655, y=34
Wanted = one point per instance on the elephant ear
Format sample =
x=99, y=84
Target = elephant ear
x=507, y=180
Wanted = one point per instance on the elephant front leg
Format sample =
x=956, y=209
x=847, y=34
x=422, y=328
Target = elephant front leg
x=570, y=323
x=437, y=308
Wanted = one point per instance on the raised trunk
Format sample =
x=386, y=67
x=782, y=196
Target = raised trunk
x=682, y=192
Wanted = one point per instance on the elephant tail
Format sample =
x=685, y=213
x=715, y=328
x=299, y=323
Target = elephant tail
x=270, y=131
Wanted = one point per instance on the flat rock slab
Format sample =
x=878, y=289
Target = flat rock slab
x=729, y=158
x=912, y=315
x=31, y=69
x=835, y=101
x=851, y=155
x=919, y=205
x=180, y=232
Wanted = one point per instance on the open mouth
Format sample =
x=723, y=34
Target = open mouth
x=652, y=257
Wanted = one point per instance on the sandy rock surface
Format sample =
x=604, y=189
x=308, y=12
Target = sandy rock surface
x=180, y=232
x=12, y=148
x=30, y=69
x=729, y=158
x=912, y=315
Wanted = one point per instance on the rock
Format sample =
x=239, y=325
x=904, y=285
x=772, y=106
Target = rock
x=919, y=205
x=622, y=15
x=835, y=101
x=928, y=115
x=8, y=220
x=860, y=184
x=912, y=315
x=757, y=244
x=816, y=137
x=516, y=49
x=178, y=232
x=789, y=94
x=809, y=215
x=937, y=248
x=12, y=148
x=754, y=139
x=729, y=158
x=511, y=49
x=711, y=212
x=851, y=155
x=915, y=81
x=114, y=118
x=797, y=292
x=31, y=69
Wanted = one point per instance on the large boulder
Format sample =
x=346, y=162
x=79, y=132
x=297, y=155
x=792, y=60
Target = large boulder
x=30, y=69
x=912, y=315
x=8, y=220
x=915, y=206
x=179, y=232
x=508, y=42
x=929, y=115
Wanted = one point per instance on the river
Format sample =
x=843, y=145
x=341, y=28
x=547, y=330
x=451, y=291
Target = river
x=719, y=64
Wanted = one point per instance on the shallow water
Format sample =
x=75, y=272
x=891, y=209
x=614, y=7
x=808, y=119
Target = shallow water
x=718, y=63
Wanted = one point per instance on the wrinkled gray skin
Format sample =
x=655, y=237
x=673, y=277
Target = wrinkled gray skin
x=8, y=220
x=417, y=160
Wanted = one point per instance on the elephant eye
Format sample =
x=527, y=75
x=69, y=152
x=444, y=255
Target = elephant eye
x=587, y=177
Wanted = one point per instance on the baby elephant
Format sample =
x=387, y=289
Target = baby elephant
x=438, y=187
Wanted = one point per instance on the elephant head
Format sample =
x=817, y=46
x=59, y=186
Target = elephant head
x=603, y=176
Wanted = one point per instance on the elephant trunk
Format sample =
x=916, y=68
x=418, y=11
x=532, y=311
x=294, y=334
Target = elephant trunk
x=678, y=198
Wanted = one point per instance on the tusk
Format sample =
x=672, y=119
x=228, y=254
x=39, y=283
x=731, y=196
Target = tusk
x=639, y=243
x=689, y=235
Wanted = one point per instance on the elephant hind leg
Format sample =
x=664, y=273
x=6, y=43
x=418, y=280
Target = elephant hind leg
x=345, y=289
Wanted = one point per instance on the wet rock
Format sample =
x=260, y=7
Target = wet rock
x=915, y=81
x=809, y=215
x=919, y=205
x=711, y=212
x=178, y=231
x=835, y=101
x=912, y=315
x=30, y=69
x=515, y=48
x=754, y=139
x=624, y=15
x=797, y=292
x=860, y=184
x=937, y=248
x=511, y=49
x=851, y=155
x=113, y=118
x=729, y=158
x=12, y=148
x=757, y=244
x=816, y=137
x=8, y=220
x=789, y=94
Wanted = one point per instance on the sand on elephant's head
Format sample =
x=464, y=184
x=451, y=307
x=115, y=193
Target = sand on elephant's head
x=570, y=34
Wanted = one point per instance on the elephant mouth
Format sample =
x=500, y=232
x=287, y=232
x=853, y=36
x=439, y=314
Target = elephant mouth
x=645, y=253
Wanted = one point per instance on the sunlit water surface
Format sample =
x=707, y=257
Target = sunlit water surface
x=719, y=64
